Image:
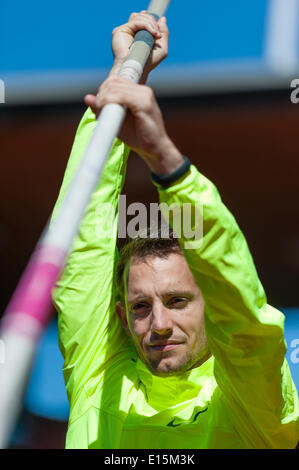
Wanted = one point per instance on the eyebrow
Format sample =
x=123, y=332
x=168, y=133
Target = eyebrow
x=180, y=293
x=138, y=298
x=143, y=297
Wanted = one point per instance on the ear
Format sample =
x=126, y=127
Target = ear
x=121, y=312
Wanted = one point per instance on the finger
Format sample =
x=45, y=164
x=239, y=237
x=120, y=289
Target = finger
x=162, y=23
x=144, y=21
x=111, y=86
x=132, y=28
x=122, y=91
x=133, y=15
x=90, y=100
x=143, y=12
x=160, y=50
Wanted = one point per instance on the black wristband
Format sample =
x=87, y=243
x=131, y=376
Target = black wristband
x=164, y=180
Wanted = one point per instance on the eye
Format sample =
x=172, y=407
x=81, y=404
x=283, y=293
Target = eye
x=178, y=302
x=140, y=308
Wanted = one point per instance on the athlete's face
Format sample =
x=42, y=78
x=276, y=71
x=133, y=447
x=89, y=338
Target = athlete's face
x=165, y=315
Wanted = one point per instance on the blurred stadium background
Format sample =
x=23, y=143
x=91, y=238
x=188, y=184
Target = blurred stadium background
x=225, y=94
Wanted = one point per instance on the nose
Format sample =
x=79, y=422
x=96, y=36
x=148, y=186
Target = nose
x=161, y=321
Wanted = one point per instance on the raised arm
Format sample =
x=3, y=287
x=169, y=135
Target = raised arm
x=85, y=295
x=245, y=335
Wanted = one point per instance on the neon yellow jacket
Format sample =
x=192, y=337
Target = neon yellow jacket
x=242, y=397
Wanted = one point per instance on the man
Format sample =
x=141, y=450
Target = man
x=177, y=348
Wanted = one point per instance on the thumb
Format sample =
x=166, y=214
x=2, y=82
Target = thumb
x=163, y=26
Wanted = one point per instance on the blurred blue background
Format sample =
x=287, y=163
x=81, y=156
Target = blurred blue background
x=60, y=50
x=74, y=35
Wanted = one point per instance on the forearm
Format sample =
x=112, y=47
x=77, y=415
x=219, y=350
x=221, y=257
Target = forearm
x=87, y=281
x=165, y=160
x=90, y=238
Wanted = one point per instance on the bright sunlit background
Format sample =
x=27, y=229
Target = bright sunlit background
x=56, y=51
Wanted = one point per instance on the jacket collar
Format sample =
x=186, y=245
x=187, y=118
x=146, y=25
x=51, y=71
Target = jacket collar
x=164, y=392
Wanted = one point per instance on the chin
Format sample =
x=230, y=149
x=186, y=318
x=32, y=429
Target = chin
x=167, y=369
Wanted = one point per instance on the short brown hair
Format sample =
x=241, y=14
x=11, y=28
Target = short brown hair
x=149, y=243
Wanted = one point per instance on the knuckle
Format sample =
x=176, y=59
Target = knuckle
x=150, y=92
x=107, y=97
x=101, y=88
x=148, y=98
x=112, y=80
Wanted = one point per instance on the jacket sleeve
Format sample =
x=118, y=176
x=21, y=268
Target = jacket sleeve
x=244, y=333
x=89, y=332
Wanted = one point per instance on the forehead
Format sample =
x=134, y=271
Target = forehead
x=154, y=274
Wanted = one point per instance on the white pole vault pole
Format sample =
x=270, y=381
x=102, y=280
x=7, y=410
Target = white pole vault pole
x=29, y=309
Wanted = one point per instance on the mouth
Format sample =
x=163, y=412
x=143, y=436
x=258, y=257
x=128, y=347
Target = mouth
x=163, y=346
